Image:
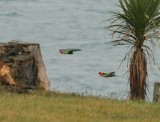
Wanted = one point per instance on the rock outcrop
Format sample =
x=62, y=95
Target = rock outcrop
x=21, y=64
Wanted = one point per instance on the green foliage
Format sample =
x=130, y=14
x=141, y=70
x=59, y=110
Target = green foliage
x=137, y=19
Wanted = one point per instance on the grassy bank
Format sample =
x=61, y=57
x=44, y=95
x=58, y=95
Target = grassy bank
x=58, y=107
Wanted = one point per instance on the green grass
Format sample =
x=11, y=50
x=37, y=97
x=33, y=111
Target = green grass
x=58, y=107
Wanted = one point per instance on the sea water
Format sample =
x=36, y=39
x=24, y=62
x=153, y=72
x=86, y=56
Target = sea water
x=57, y=24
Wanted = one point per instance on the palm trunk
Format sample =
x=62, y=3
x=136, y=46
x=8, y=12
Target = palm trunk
x=138, y=74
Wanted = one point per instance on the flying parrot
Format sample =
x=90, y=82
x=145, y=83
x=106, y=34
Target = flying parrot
x=107, y=74
x=68, y=51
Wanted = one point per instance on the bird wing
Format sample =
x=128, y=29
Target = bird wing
x=74, y=49
x=112, y=73
x=108, y=74
x=66, y=51
x=69, y=51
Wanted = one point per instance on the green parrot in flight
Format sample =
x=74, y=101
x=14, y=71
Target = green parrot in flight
x=68, y=51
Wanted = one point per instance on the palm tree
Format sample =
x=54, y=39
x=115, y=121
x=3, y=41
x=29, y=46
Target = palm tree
x=137, y=24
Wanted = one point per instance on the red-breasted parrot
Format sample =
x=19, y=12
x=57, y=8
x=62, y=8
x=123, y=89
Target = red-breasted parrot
x=107, y=74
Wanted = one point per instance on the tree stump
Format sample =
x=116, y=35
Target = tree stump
x=23, y=65
x=156, y=94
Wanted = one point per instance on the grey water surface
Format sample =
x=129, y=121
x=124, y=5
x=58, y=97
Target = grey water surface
x=57, y=24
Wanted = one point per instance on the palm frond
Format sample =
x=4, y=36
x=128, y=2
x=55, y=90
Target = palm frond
x=140, y=16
